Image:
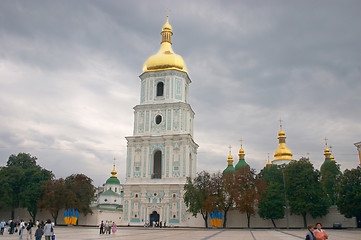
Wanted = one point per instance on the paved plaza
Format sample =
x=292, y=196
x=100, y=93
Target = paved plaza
x=89, y=233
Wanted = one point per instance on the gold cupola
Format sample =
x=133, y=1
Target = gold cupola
x=113, y=179
x=327, y=154
x=282, y=154
x=165, y=58
x=113, y=172
x=230, y=167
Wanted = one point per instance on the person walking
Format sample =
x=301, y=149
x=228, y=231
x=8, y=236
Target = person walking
x=39, y=233
x=2, y=225
x=12, y=226
x=309, y=235
x=21, y=229
x=101, y=230
x=48, y=230
x=29, y=229
x=114, y=228
x=110, y=227
x=319, y=233
x=106, y=225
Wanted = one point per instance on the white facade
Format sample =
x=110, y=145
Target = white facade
x=161, y=154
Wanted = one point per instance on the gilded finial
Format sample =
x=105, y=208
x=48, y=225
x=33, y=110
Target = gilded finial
x=280, y=123
x=230, y=149
x=325, y=141
x=114, y=172
x=241, y=142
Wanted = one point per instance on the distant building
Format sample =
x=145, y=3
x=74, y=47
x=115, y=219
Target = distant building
x=109, y=197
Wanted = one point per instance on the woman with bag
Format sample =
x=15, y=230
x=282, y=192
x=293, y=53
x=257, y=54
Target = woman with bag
x=48, y=230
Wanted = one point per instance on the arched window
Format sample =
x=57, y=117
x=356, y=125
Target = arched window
x=157, y=165
x=160, y=89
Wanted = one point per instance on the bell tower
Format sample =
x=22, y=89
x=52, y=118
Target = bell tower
x=161, y=154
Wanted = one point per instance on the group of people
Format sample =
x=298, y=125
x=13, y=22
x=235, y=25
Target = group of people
x=107, y=227
x=318, y=234
x=26, y=228
x=153, y=224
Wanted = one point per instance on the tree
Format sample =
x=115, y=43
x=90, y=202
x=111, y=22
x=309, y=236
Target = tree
x=272, y=204
x=349, y=194
x=249, y=190
x=80, y=193
x=304, y=191
x=31, y=192
x=54, y=195
x=196, y=194
x=22, y=179
x=330, y=175
x=229, y=194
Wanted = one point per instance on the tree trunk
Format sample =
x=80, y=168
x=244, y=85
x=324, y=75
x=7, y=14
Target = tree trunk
x=304, y=220
x=205, y=217
x=225, y=219
x=225, y=216
x=55, y=216
x=248, y=219
x=32, y=214
x=274, y=224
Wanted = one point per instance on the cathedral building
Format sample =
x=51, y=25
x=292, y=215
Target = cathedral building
x=161, y=153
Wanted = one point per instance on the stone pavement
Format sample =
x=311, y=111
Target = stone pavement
x=90, y=233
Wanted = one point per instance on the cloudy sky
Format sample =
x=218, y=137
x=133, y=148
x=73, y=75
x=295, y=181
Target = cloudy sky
x=69, y=78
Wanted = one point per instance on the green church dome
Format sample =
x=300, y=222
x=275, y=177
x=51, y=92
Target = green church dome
x=241, y=163
x=113, y=180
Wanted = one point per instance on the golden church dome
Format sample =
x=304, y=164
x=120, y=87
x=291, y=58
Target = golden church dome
x=282, y=153
x=165, y=58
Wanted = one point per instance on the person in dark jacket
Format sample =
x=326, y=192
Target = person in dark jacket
x=39, y=233
x=309, y=235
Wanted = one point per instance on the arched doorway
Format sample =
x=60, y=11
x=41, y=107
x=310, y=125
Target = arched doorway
x=153, y=218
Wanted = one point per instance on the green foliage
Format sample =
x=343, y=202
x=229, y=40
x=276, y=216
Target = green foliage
x=23, y=160
x=304, y=191
x=22, y=180
x=272, y=204
x=196, y=194
x=271, y=174
x=349, y=192
x=330, y=175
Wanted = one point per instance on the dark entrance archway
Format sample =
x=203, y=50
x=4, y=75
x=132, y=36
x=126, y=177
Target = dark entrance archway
x=154, y=217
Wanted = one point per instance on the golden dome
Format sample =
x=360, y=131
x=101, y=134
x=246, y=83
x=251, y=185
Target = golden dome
x=327, y=153
x=113, y=172
x=282, y=153
x=165, y=58
x=241, y=153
